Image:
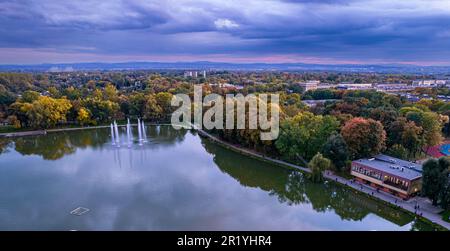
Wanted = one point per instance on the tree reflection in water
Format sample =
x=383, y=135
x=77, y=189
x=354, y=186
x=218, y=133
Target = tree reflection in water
x=4, y=143
x=293, y=188
x=54, y=146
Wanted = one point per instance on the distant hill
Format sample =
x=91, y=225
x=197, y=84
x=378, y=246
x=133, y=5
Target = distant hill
x=204, y=65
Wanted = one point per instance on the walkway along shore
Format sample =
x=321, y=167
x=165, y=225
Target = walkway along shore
x=419, y=206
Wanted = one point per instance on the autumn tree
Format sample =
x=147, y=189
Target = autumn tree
x=110, y=92
x=84, y=116
x=163, y=99
x=364, y=137
x=46, y=111
x=152, y=110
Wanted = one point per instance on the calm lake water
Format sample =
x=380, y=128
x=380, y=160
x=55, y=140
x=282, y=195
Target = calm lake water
x=177, y=181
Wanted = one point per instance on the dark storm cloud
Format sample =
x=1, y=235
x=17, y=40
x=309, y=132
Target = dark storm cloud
x=346, y=30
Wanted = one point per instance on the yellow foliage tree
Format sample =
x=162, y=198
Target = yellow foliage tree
x=46, y=111
x=84, y=117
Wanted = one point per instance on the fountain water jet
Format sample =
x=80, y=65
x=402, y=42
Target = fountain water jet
x=128, y=133
x=144, y=133
x=140, y=132
x=112, y=135
x=116, y=129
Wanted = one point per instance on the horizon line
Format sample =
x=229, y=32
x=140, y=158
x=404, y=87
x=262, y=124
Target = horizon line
x=224, y=62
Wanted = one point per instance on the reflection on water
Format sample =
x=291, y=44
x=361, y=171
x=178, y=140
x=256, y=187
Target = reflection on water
x=54, y=146
x=177, y=181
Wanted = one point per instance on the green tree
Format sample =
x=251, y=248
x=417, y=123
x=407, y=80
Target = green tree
x=163, y=99
x=53, y=92
x=318, y=164
x=398, y=151
x=152, y=111
x=6, y=97
x=30, y=96
x=102, y=110
x=336, y=150
x=445, y=196
x=304, y=135
x=395, y=131
x=431, y=124
x=411, y=139
x=435, y=178
x=72, y=93
x=385, y=115
x=137, y=104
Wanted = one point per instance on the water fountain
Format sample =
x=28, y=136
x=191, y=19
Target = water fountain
x=140, y=132
x=116, y=129
x=144, y=133
x=129, y=133
x=112, y=135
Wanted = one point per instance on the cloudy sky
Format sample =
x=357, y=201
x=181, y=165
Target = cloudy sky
x=340, y=31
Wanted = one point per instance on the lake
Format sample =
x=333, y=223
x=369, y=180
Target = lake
x=176, y=181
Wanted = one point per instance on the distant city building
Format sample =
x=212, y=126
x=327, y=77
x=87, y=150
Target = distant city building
x=352, y=86
x=194, y=74
x=393, y=87
x=415, y=98
x=429, y=83
x=312, y=103
x=396, y=176
x=310, y=85
x=326, y=86
x=228, y=86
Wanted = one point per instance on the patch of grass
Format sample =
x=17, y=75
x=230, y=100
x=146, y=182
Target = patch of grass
x=446, y=216
x=8, y=129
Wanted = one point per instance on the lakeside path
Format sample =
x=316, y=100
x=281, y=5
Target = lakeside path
x=425, y=208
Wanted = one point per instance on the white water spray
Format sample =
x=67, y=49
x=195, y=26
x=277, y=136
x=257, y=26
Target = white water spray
x=144, y=133
x=140, y=132
x=129, y=133
x=116, y=129
x=112, y=135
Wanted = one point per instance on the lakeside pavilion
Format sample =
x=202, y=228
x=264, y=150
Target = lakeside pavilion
x=396, y=176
